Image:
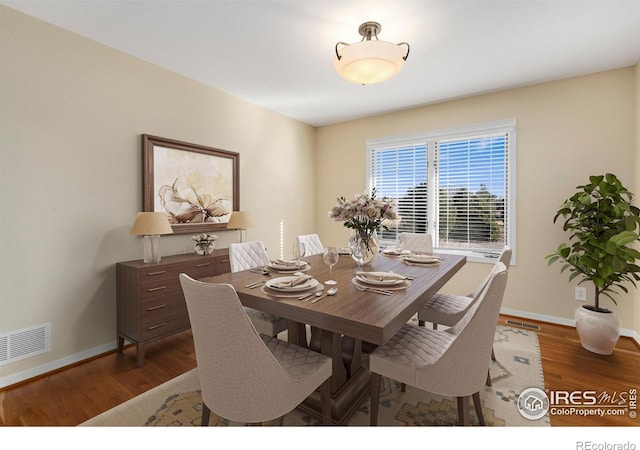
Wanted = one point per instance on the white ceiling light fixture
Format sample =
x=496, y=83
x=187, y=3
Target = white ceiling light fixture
x=370, y=61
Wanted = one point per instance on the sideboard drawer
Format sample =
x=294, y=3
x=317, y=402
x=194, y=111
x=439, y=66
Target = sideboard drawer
x=164, y=321
x=150, y=302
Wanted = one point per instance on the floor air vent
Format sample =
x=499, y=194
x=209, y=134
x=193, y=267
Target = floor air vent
x=530, y=326
x=21, y=344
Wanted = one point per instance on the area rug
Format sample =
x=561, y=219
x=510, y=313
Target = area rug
x=517, y=367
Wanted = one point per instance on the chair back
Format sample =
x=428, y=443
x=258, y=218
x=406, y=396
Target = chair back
x=504, y=258
x=416, y=242
x=247, y=255
x=467, y=359
x=312, y=244
x=240, y=378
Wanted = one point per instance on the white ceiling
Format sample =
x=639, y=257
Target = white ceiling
x=279, y=54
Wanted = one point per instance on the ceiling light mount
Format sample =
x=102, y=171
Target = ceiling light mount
x=370, y=61
x=369, y=29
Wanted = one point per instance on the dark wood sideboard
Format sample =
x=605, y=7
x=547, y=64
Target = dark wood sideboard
x=149, y=297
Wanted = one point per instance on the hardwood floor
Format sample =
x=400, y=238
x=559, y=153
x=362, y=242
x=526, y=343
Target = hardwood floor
x=75, y=394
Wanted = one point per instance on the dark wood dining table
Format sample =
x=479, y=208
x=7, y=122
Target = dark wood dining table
x=351, y=322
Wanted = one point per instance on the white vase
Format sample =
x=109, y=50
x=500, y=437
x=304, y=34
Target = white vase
x=598, y=331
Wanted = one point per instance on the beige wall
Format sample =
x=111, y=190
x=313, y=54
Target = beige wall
x=566, y=131
x=71, y=115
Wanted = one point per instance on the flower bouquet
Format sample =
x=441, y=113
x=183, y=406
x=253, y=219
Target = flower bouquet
x=365, y=214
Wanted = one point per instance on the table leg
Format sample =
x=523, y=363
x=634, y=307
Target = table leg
x=350, y=382
x=297, y=333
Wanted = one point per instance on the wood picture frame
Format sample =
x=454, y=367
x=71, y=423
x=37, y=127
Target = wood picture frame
x=197, y=187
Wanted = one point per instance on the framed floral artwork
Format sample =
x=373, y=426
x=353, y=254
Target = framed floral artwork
x=197, y=187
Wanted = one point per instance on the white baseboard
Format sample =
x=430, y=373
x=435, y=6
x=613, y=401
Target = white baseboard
x=561, y=321
x=55, y=365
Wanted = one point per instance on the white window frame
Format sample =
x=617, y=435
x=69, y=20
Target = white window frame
x=429, y=139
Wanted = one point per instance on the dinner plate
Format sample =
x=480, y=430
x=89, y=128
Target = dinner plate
x=343, y=251
x=423, y=259
x=373, y=281
x=309, y=284
x=293, y=268
x=394, y=252
x=396, y=287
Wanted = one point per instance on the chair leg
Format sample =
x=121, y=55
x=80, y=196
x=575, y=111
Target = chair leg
x=488, y=378
x=435, y=326
x=403, y=387
x=493, y=354
x=478, y=406
x=206, y=413
x=420, y=323
x=325, y=396
x=375, y=399
x=464, y=417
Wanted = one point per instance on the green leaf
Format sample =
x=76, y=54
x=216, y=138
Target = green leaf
x=623, y=238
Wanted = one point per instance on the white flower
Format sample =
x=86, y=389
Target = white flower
x=204, y=238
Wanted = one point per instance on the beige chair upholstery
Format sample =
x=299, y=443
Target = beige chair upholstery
x=244, y=376
x=312, y=244
x=416, y=242
x=452, y=362
x=448, y=309
x=249, y=255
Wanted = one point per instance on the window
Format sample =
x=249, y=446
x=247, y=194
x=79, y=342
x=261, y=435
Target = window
x=457, y=185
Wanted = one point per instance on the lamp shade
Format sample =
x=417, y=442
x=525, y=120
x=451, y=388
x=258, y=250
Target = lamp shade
x=151, y=223
x=241, y=220
x=369, y=62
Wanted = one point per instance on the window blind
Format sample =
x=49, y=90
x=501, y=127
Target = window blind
x=471, y=176
x=456, y=185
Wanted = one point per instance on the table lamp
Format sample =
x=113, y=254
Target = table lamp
x=150, y=225
x=240, y=220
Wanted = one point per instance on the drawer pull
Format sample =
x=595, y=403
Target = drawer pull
x=203, y=265
x=153, y=327
x=156, y=289
x=156, y=307
x=160, y=272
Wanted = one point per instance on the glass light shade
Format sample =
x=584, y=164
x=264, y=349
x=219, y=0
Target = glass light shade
x=370, y=62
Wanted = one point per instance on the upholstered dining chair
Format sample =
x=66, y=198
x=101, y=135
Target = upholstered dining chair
x=249, y=255
x=451, y=362
x=448, y=309
x=416, y=242
x=246, y=376
x=312, y=244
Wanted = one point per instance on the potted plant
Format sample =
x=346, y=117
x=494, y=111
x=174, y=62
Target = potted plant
x=602, y=225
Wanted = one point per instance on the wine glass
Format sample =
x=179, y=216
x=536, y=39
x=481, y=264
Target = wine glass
x=399, y=243
x=330, y=258
x=298, y=251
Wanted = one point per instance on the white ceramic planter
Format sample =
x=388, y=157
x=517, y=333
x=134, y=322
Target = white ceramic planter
x=598, y=331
